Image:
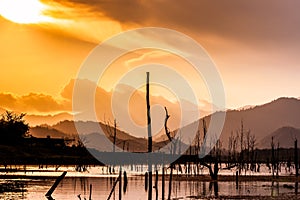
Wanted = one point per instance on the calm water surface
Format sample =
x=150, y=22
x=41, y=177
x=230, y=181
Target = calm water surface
x=75, y=184
x=70, y=188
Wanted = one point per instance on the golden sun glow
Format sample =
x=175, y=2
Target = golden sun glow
x=24, y=12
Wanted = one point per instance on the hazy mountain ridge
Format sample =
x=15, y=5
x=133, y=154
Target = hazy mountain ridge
x=47, y=119
x=93, y=135
x=44, y=131
x=262, y=121
x=284, y=136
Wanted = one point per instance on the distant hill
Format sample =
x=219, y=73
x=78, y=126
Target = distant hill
x=44, y=131
x=277, y=117
x=263, y=120
x=260, y=120
x=35, y=120
x=285, y=136
x=100, y=142
x=69, y=128
x=91, y=136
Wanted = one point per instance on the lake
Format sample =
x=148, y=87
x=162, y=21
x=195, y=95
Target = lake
x=75, y=184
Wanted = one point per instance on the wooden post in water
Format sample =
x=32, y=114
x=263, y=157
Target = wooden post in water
x=149, y=137
x=146, y=181
x=90, y=197
x=296, y=166
x=125, y=182
x=156, y=184
x=60, y=178
x=296, y=187
x=120, y=184
x=236, y=179
x=296, y=158
x=163, y=183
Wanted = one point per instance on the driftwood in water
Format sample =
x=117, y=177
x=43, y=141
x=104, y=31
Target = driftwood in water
x=113, y=188
x=51, y=190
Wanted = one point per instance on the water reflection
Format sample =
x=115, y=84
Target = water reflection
x=73, y=188
x=296, y=187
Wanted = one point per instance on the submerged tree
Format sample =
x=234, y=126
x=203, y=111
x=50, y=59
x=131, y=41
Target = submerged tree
x=112, y=133
x=214, y=157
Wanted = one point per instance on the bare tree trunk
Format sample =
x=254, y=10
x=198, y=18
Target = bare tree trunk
x=170, y=183
x=163, y=183
x=115, y=135
x=120, y=184
x=156, y=184
x=149, y=137
x=296, y=158
x=273, y=157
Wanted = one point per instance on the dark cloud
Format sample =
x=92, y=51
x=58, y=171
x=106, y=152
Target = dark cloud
x=271, y=21
x=135, y=11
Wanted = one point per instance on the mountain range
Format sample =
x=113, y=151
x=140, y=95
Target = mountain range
x=279, y=119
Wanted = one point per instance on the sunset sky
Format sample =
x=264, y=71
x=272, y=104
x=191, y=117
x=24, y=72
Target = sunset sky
x=254, y=44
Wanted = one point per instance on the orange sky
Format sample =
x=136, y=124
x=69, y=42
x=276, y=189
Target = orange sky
x=254, y=44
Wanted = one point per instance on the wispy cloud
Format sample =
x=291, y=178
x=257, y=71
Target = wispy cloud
x=149, y=55
x=80, y=20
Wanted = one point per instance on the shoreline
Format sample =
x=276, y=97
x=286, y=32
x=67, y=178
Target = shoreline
x=206, y=178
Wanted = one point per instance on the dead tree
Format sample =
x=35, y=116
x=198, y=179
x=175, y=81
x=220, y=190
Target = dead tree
x=241, y=157
x=112, y=133
x=213, y=165
x=273, y=157
x=252, y=153
x=171, y=138
x=296, y=158
x=149, y=136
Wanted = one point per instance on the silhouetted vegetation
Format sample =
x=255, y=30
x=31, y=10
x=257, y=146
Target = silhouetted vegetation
x=18, y=147
x=12, y=127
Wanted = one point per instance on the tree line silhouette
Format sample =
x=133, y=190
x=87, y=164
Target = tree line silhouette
x=13, y=127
